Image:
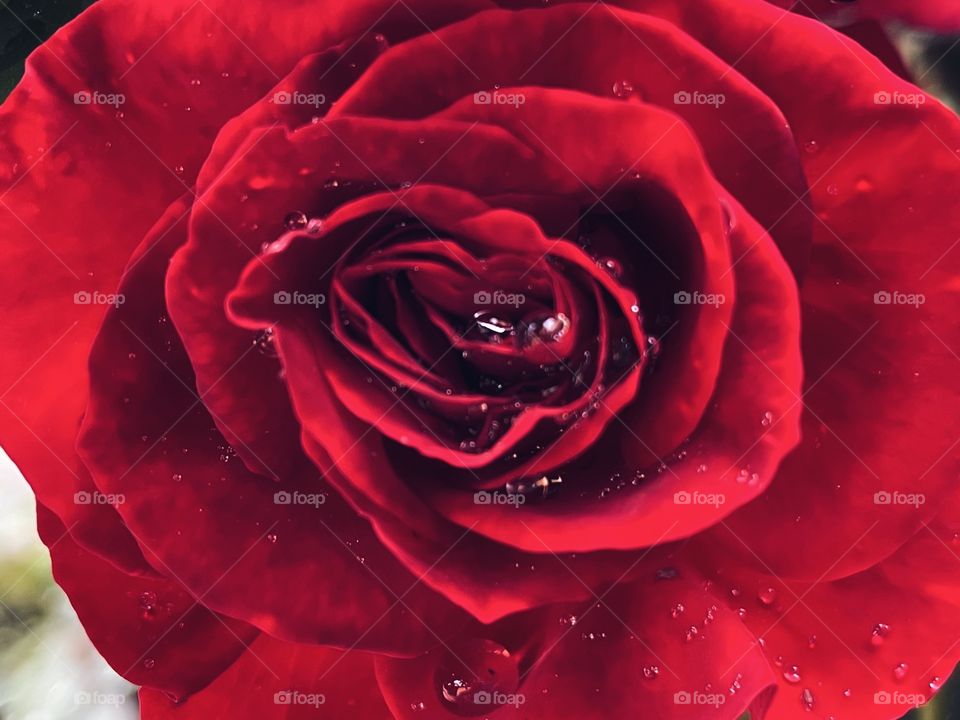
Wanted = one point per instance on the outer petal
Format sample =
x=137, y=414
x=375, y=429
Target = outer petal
x=275, y=680
x=871, y=645
x=623, y=654
x=82, y=183
x=151, y=631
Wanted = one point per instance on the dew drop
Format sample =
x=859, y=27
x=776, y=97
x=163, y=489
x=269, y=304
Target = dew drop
x=470, y=672
x=767, y=595
x=177, y=477
x=623, y=89
x=314, y=226
x=806, y=699
x=833, y=189
x=935, y=683
x=149, y=663
x=272, y=537
x=900, y=671
x=879, y=634
x=612, y=266
x=767, y=419
x=792, y=674
x=295, y=220
x=811, y=146
x=650, y=672
x=676, y=611
x=691, y=634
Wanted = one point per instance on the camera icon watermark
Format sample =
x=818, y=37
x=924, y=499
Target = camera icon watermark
x=684, y=497
x=282, y=497
x=295, y=697
x=696, y=297
x=895, y=297
x=85, y=297
x=95, y=97
x=884, y=697
x=896, y=97
x=885, y=497
x=84, y=497
x=498, y=298
x=485, y=97
x=282, y=297
x=485, y=497
x=484, y=697
x=694, y=97
x=99, y=698
x=284, y=97
x=683, y=697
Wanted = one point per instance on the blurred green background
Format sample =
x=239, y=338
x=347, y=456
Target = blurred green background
x=46, y=661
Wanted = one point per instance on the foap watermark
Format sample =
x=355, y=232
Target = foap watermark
x=485, y=97
x=498, y=298
x=894, y=497
x=83, y=497
x=895, y=297
x=484, y=697
x=699, y=698
x=485, y=497
x=883, y=697
x=95, y=97
x=695, y=97
x=698, y=298
x=684, y=497
x=282, y=497
x=282, y=297
x=85, y=297
x=296, y=697
x=294, y=97
x=99, y=698
x=884, y=97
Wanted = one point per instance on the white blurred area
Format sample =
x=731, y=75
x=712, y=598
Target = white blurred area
x=49, y=670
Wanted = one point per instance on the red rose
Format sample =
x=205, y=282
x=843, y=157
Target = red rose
x=437, y=359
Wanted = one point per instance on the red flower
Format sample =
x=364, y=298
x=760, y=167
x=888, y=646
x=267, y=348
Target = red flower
x=437, y=359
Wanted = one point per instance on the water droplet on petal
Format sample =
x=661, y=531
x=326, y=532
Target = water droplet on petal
x=677, y=610
x=935, y=683
x=767, y=595
x=806, y=699
x=612, y=266
x=623, y=89
x=470, y=672
x=691, y=634
x=650, y=672
x=767, y=419
x=791, y=674
x=272, y=537
x=149, y=663
x=900, y=671
x=811, y=146
x=879, y=634
x=833, y=189
x=295, y=220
